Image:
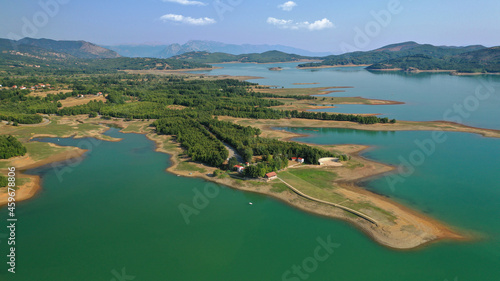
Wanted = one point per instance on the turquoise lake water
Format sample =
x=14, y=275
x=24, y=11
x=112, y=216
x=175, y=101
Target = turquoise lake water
x=428, y=96
x=117, y=210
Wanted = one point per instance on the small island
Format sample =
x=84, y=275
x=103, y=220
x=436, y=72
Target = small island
x=275, y=68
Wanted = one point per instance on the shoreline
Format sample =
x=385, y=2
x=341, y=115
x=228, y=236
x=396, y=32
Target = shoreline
x=445, y=126
x=186, y=73
x=28, y=190
x=234, y=62
x=332, y=66
x=450, y=71
x=351, y=186
x=383, y=235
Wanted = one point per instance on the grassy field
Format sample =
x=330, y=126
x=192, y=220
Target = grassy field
x=42, y=150
x=279, y=187
x=135, y=127
x=186, y=166
x=319, y=184
x=323, y=190
x=318, y=177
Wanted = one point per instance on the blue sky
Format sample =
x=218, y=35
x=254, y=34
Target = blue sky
x=321, y=25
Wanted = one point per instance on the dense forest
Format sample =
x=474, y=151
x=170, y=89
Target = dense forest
x=152, y=97
x=482, y=61
x=266, y=57
x=10, y=147
x=203, y=137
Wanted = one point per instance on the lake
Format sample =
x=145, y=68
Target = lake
x=427, y=96
x=117, y=211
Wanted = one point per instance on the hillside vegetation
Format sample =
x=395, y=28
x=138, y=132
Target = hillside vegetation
x=266, y=57
x=481, y=61
x=43, y=56
x=390, y=52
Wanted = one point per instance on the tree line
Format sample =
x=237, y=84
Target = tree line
x=11, y=147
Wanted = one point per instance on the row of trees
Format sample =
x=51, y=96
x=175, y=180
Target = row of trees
x=248, y=143
x=199, y=143
x=21, y=118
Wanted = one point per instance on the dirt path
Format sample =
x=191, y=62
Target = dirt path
x=359, y=214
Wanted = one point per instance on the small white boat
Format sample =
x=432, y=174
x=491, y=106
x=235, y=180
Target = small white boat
x=250, y=203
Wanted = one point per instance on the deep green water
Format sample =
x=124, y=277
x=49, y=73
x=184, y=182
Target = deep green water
x=117, y=208
x=428, y=96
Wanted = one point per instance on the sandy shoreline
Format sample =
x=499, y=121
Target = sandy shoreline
x=29, y=189
x=432, y=230
x=424, y=229
x=333, y=66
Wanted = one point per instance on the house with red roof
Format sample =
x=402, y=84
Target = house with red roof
x=271, y=175
x=239, y=168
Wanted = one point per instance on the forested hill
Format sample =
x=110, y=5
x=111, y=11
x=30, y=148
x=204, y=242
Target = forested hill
x=77, y=49
x=394, y=51
x=480, y=61
x=266, y=57
x=42, y=56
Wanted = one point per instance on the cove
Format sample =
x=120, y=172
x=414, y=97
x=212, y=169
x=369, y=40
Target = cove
x=427, y=96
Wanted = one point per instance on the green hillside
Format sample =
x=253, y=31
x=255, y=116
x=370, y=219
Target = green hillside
x=266, y=57
x=390, y=52
x=30, y=56
x=480, y=61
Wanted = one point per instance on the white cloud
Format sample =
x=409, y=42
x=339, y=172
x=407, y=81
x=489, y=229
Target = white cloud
x=290, y=24
x=187, y=2
x=321, y=24
x=280, y=23
x=187, y=20
x=287, y=6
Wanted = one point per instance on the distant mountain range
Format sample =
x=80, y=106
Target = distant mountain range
x=66, y=49
x=392, y=52
x=166, y=51
x=30, y=54
x=406, y=56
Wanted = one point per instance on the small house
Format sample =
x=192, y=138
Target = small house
x=294, y=158
x=99, y=94
x=300, y=160
x=23, y=88
x=14, y=87
x=239, y=168
x=271, y=175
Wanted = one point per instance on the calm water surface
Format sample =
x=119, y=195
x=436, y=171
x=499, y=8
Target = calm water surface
x=118, y=209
